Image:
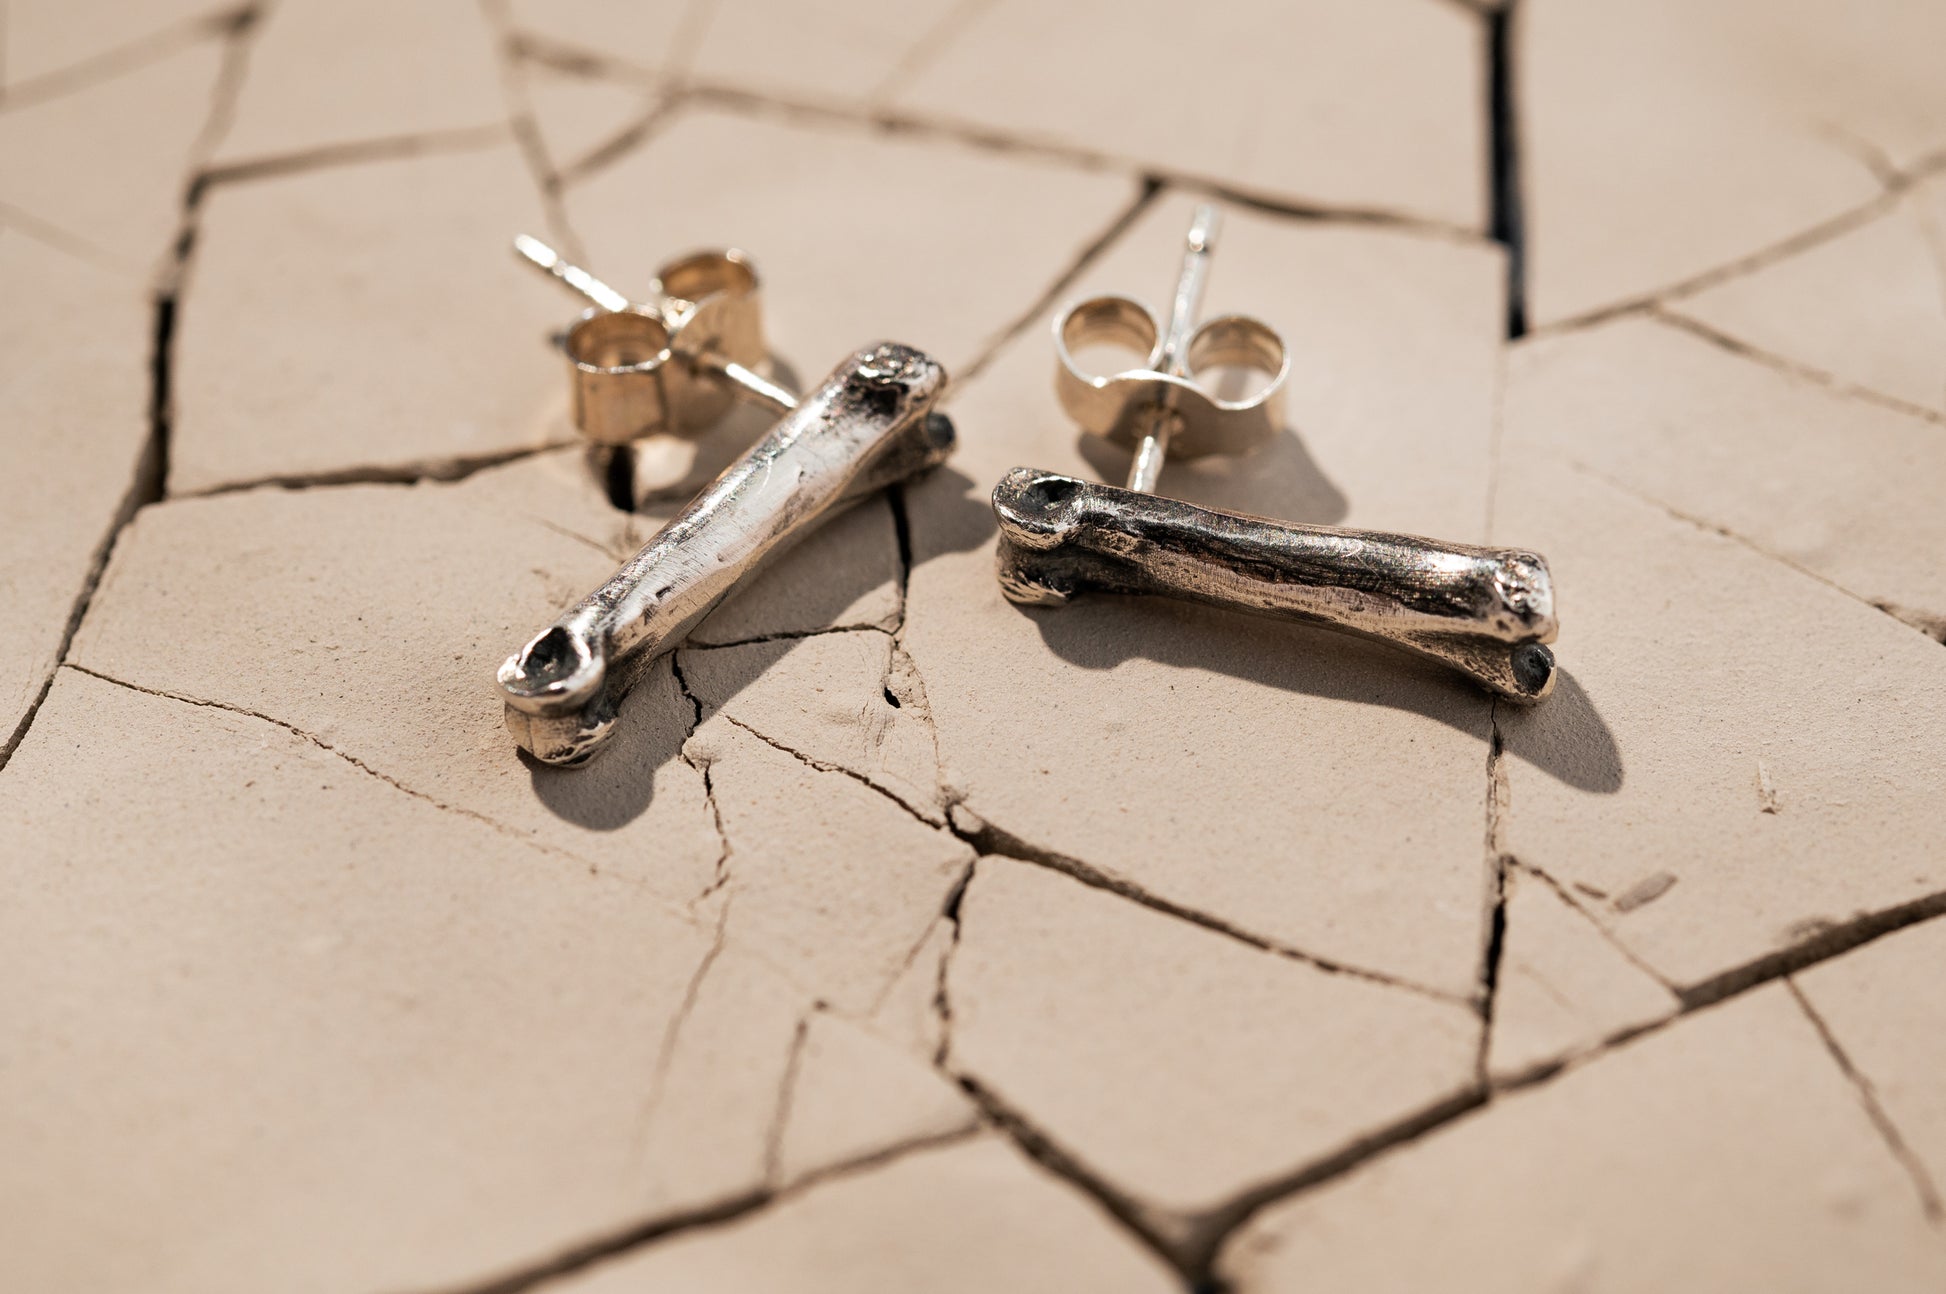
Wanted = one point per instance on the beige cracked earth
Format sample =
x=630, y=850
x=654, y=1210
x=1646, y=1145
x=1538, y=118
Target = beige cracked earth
x=906, y=940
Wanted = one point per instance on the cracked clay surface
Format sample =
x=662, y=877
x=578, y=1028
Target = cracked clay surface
x=902, y=938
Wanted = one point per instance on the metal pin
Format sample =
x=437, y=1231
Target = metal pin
x=1154, y=447
x=667, y=364
x=1485, y=611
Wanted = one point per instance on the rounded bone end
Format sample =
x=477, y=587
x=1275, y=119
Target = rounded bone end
x=1036, y=509
x=1533, y=670
x=558, y=672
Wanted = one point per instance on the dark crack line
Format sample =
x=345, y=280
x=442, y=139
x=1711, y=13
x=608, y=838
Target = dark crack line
x=1123, y=220
x=721, y=875
x=149, y=480
x=354, y=152
x=640, y=1235
x=759, y=103
x=665, y=1056
x=123, y=59
x=1742, y=541
x=786, y=1093
x=785, y=636
x=1508, y=223
x=991, y=840
x=1567, y=896
x=930, y=45
x=1929, y=1201
x=494, y=824
x=1671, y=315
x=1152, y=1230
x=26, y=223
x=1700, y=997
x=444, y=470
x=823, y=766
x=1824, y=231
x=1495, y=944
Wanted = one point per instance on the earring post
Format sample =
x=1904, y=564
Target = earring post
x=1197, y=247
x=548, y=261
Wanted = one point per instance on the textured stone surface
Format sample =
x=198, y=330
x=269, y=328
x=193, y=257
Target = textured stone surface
x=70, y=414
x=139, y=134
x=363, y=320
x=904, y=939
x=1370, y=106
x=844, y=50
x=330, y=1034
x=1836, y=487
x=1728, y=1154
x=969, y=1217
x=1763, y=120
x=52, y=43
x=1734, y=725
x=330, y=73
x=1867, y=307
x=1562, y=989
x=938, y=245
x=1181, y=1066
x=1894, y=1038
x=639, y=36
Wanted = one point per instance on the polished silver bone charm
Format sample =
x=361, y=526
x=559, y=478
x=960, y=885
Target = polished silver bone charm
x=1485, y=611
x=870, y=424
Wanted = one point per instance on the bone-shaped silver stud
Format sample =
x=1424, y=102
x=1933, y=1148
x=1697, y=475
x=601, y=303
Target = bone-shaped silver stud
x=869, y=424
x=1487, y=612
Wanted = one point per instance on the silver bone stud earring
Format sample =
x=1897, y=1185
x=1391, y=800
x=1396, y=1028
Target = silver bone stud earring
x=639, y=368
x=1485, y=611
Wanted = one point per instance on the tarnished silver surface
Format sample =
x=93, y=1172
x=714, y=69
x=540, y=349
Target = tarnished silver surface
x=1482, y=610
x=672, y=364
x=1485, y=611
x=870, y=423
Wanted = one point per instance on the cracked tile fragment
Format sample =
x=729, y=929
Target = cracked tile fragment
x=1290, y=782
x=48, y=38
x=76, y=390
x=1688, y=658
x=936, y=243
x=835, y=51
x=1880, y=1006
x=329, y=73
x=972, y=1217
x=826, y=697
x=1867, y=307
x=1372, y=107
x=309, y=1008
x=138, y=133
x=832, y=880
x=1725, y=1152
x=1763, y=120
x=365, y=320
x=575, y=114
x=1180, y=1067
x=856, y=1095
x=312, y=617
x=1563, y=988
x=1838, y=487
x=646, y=37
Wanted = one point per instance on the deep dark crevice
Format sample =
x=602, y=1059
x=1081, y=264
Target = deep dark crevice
x=902, y=534
x=1508, y=223
x=146, y=487
x=618, y=477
